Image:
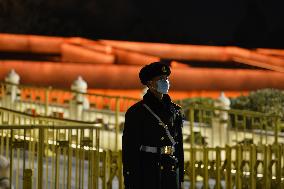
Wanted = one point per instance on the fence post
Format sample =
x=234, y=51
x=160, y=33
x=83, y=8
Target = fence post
x=117, y=129
x=253, y=158
x=239, y=168
x=10, y=147
x=103, y=174
x=97, y=161
x=278, y=165
x=266, y=162
x=70, y=154
x=191, y=117
x=119, y=169
x=27, y=179
x=192, y=167
x=205, y=161
x=192, y=149
x=228, y=167
x=218, y=165
x=40, y=156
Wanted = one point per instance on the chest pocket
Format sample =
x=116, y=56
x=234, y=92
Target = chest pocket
x=161, y=124
x=152, y=132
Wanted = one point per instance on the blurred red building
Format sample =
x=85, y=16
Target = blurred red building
x=112, y=67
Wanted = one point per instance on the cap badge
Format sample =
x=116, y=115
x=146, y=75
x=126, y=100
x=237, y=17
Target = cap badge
x=164, y=70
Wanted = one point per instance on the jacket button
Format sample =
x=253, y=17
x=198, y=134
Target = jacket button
x=162, y=167
x=162, y=138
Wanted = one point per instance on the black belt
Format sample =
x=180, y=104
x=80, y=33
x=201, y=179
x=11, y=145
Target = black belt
x=169, y=150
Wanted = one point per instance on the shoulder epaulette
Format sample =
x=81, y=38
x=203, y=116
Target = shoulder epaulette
x=177, y=105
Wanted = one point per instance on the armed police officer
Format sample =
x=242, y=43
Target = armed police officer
x=152, y=143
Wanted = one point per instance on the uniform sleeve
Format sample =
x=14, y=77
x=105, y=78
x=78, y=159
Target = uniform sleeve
x=130, y=150
x=180, y=151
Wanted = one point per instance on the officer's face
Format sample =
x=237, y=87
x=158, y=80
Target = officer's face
x=153, y=83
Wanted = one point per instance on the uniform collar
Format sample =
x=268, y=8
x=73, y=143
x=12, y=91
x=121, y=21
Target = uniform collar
x=150, y=99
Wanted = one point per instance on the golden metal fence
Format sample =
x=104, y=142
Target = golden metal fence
x=242, y=166
x=232, y=127
x=53, y=152
x=48, y=100
x=68, y=104
x=213, y=126
x=50, y=153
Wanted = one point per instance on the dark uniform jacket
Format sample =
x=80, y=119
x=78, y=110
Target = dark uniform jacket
x=142, y=170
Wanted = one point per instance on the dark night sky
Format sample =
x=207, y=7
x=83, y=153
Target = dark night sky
x=246, y=23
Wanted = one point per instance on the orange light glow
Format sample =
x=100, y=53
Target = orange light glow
x=73, y=53
x=112, y=67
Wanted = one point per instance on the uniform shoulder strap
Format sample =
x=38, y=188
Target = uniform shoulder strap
x=153, y=113
x=161, y=123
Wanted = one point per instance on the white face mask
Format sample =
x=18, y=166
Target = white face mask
x=163, y=86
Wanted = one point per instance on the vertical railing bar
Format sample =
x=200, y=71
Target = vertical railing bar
x=90, y=158
x=97, y=151
x=229, y=167
x=205, y=162
x=218, y=163
x=18, y=167
x=11, y=157
x=265, y=166
x=238, y=167
x=52, y=157
x=278, y=166
x=46, y=150
x=192, y=168
x=57, y=163
x=77, y=175
x=69, y=175
x=120, y=175
x=253, y=158
x=64, y=166
x=83, y=166
x=40, y=157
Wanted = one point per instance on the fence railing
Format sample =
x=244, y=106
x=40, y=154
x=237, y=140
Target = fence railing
x=47, y=96
x=212, y=126
x=242, y=166
x=60, y=103
x=48, y=152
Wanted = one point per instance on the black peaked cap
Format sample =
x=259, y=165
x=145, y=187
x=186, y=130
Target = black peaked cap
x=152, y=70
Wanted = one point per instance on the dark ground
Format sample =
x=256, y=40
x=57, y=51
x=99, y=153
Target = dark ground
x=246, y=23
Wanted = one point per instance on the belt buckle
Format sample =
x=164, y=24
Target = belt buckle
x=167, y=150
